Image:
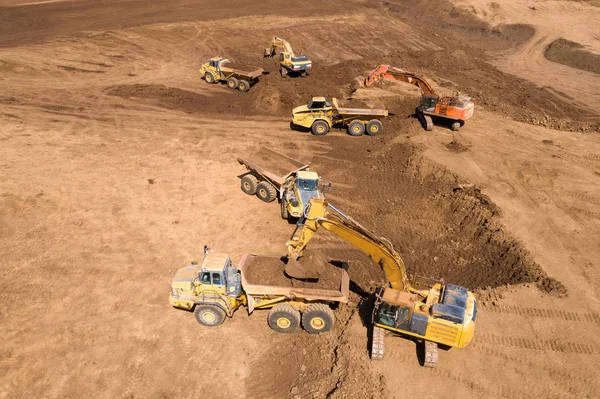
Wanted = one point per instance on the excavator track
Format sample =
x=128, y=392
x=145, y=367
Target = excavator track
x=430, y=354
x=378, y=344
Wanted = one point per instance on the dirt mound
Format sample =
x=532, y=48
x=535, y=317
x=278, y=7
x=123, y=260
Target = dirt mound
x=441, y=227
x=463, y=24
x=573, y=54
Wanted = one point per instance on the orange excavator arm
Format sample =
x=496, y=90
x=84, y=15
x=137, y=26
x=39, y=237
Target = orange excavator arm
x=393, y=73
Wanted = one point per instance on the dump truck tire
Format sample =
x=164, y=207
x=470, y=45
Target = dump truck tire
x=318, y=318
x=455, y=126
x=209, y=78
x=284, y=211
x=232, y=83
x=319, y=128
x=249, y=184
x=243, y=86
x=266, y=192
x=356, y=128
x=209, y=315
x=284, y=318
x=374, y=127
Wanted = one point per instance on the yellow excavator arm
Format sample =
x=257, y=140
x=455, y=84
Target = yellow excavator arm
x=276, y=43
x=321, y=214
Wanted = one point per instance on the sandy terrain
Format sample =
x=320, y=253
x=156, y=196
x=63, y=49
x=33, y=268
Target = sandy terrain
x=119, y=163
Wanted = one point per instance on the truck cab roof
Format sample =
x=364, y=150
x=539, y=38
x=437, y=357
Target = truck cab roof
x=215, y=261
x=319, y=99
x=307, y=175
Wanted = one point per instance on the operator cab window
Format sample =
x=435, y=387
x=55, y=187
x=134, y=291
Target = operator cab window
x=307, y=185
x=318, y=104
x=216, y=278
x=205, y=278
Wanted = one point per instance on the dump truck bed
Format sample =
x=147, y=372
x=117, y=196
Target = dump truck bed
x=253, y=74
x=272, y=165
x=358, y=111
x=254, y=290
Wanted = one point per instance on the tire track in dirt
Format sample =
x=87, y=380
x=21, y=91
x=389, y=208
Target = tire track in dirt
x=538, y=344
x=442, y=372
x=545, y=313
x=557, y=373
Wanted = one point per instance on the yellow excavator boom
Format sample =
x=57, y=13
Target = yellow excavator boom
x=378, y=249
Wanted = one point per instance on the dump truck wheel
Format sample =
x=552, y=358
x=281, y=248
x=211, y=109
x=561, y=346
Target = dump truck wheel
x=265, y=191
x=209, y=315
x=356, y=128
x=319, y=128
x=455, y=126
x=243, y=86
x=374, y=127
x=209, y=77
x=284, y=211
x=232, y=83
x=318, y=318
x=249, y=183
x=284, y=318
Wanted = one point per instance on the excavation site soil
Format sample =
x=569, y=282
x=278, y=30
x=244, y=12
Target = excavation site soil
x=119, y=162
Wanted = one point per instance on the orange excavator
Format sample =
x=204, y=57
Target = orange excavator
x=454, y=109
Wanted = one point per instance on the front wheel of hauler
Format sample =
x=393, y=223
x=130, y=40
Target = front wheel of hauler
x=249, y=184
x=356, y=128
x=232, y=83
x=209, y=77
x=284, y=318
x=374, y=127
x=320, y=128
x=243, y=86
x=209, y=315
x=318, y=318
x=265, y=191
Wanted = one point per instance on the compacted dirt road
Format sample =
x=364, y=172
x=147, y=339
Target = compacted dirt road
x=118, y=163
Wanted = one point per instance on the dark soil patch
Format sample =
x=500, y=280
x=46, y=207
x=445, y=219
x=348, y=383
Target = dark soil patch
x=456, y=146
x=573, y=54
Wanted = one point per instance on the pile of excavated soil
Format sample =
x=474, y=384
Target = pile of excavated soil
x=441, y=228
x=271, y=271
x=572, y=54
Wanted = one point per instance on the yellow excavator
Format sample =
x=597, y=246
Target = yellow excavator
x=430, y=312
x=289, y=63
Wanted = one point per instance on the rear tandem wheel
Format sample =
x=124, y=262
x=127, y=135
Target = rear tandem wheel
x=284, y=318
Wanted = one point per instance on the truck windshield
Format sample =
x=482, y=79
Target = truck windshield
x=318, y=104
x=308, y=185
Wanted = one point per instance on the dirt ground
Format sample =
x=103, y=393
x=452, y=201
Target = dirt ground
x=118, y=163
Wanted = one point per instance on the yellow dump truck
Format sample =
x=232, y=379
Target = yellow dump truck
x=215, y=289
x=320, y=116
x=272, y=174
x=215, y=71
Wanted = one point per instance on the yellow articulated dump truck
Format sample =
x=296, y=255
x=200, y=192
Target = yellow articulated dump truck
x=215, y=71
x=320, y=116
x=271, y=175
x=215, y=289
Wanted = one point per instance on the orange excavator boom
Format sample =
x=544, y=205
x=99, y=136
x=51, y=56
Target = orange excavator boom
x=393, y=73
